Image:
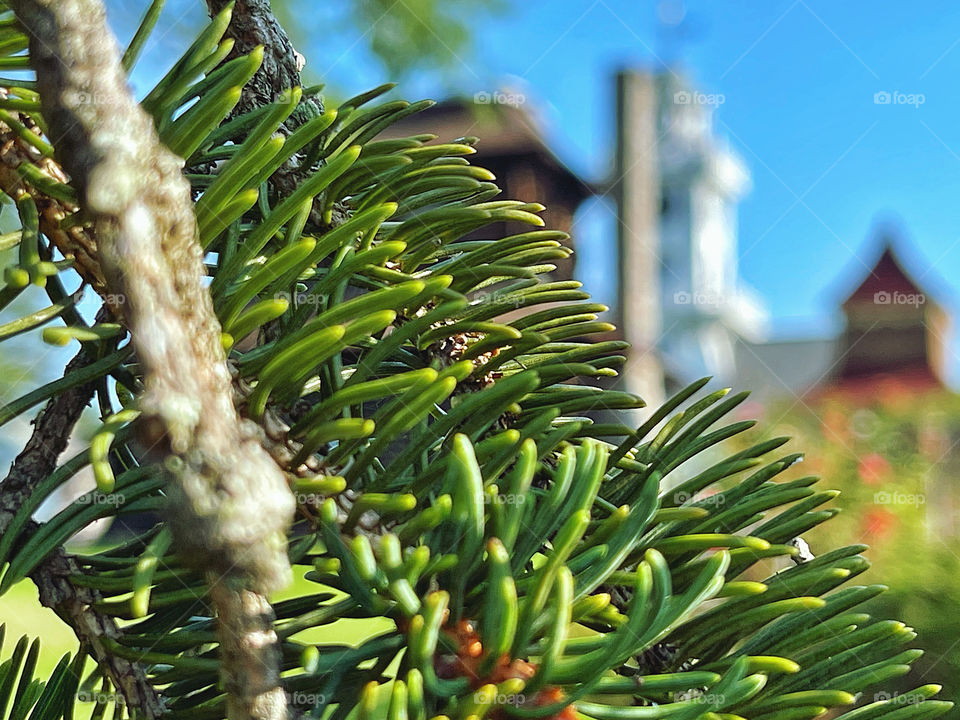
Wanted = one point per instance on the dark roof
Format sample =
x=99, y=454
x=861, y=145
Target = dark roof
x=890, y=335
x=888, y=262
x=887, y=275
x=503, y=130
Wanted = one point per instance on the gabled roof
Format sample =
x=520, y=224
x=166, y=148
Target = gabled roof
x=888, y=274
x=892, y=339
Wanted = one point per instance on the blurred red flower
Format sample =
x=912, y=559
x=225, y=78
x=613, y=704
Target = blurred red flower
x=877, y=523
x=874, y=469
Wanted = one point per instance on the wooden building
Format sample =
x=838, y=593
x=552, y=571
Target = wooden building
x=894, y=336
x=511, y=146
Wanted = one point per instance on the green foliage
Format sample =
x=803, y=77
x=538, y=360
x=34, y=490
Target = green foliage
x=403, y=37
x=894, y=459
x=24, y=697
x=523, y=559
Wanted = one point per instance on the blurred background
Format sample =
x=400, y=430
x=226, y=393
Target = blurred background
x=763, y=192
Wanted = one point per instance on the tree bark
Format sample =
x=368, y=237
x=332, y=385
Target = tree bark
x=252, y=23
x=229, y=502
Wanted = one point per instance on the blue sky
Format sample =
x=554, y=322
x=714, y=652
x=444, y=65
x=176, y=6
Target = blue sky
x=798, y=79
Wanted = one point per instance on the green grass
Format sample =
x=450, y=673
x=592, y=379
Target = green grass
x=22, y=614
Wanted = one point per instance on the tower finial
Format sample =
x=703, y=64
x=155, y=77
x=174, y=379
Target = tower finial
x=671, y=29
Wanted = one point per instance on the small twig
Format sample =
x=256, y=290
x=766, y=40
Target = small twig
x=51, y=433
x=253, y=23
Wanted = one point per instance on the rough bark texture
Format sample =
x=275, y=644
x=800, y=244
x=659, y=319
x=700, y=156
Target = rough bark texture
x=252, y=23
x=229, y=502
x=253, y=645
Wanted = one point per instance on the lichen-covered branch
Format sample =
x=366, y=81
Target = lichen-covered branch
x=252, y=645
x=229, y=502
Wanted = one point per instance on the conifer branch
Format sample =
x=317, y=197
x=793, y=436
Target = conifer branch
x=253, y=24
x=74, y=604
x=229, y=502
x=427, y=394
